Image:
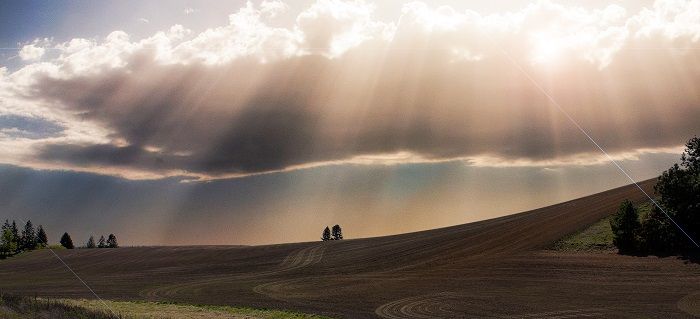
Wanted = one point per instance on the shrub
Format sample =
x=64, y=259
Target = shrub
x=625, y=226
x=656, y=234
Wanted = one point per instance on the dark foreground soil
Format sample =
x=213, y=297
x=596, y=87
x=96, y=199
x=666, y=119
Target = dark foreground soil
x=491, y=269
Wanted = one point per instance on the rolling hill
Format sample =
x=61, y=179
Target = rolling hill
x=497, y=268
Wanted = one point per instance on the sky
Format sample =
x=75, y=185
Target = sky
x=256, y=122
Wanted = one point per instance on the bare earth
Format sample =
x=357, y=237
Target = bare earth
x=491, y=269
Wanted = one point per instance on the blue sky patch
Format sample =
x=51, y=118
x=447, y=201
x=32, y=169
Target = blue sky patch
x=28, y=127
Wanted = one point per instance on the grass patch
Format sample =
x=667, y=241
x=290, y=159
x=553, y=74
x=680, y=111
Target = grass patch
x=597, y=237
x=24, y=308
x=163, y=310
x=20, y=307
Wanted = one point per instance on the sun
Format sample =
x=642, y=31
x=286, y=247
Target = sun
x=547, y=49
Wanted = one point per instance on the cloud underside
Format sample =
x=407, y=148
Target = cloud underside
x=342, y=87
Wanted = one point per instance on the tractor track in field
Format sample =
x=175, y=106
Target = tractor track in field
x=297, y=259
x=453, y=305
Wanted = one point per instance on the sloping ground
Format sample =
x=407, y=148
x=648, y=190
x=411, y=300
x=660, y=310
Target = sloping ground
x=493, y=268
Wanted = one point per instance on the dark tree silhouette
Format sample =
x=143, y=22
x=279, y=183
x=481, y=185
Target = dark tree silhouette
x=15, y=234
x=679, y=188
x=102, y=243
x=656, y=235
x=66, y=241
x=326, y=234
x=28, y=239
x=625, y=225
x=41, y=239
x=91, y=242
x=7, y=225
x=337, y=233
x=112, y=241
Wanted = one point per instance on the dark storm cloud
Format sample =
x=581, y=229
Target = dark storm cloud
x=193, y=118
x=245, y=117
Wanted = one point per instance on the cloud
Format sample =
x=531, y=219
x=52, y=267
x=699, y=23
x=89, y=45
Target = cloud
x=31, y=52
x=340, y=86
x=332, y=27
x=273, y=8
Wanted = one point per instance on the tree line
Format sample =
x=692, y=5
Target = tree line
x=111, y=242
x=678, y=193
x=13, y=241
x=335, y=234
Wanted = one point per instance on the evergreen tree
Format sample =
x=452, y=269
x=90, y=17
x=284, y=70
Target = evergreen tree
x=326, y=234
x=15, y=234
x=102, y=243
x=66, y=241
x=112, y=241
x=41, y=239
x=337, y=233
x=8, y=244
x=625, y=227
x=28, y=239
x=6, y=225
x=91, y=242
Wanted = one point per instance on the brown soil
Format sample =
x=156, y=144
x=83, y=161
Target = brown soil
x=495, y=268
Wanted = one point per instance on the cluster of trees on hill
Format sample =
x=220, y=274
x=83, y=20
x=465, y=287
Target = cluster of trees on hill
x=111, y=242
x=335, y=234
x=13, y=241
x=678, y=191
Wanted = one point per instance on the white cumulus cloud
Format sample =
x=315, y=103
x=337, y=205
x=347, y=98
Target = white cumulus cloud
x=31, y=52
